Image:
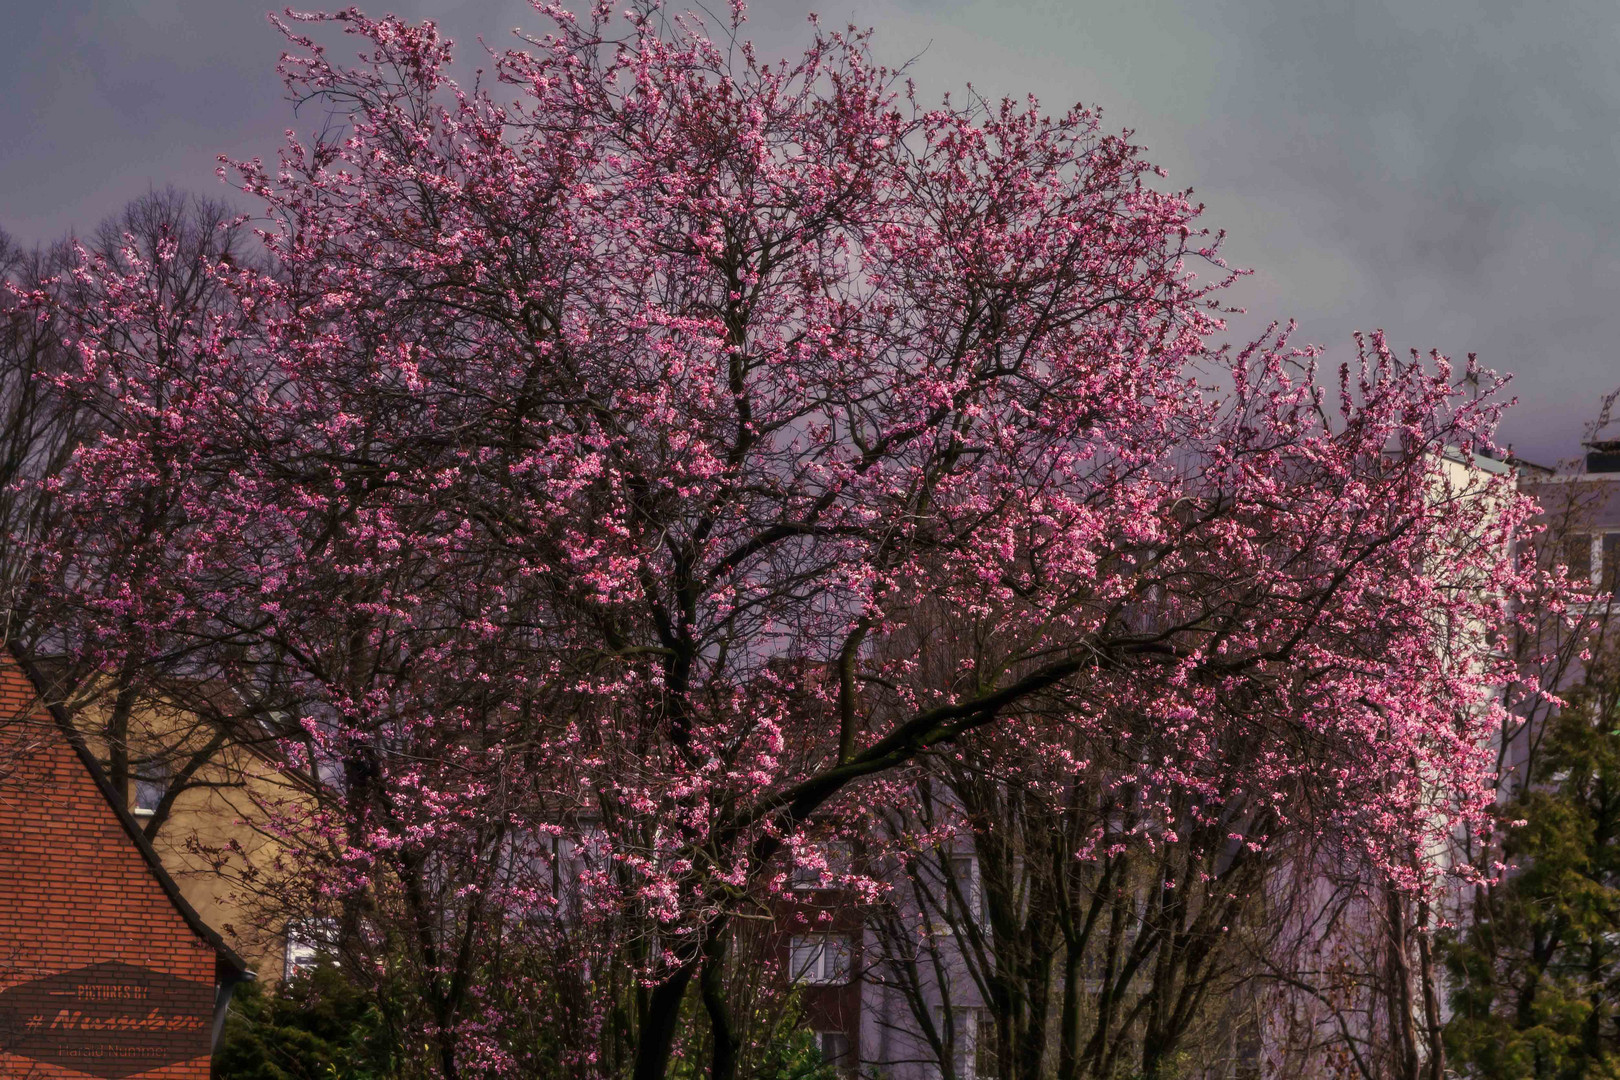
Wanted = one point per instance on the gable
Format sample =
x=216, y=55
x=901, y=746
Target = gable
x=84, y=895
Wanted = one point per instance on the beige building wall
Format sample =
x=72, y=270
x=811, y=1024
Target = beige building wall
x=217, y=839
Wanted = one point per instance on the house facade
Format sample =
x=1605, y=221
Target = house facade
x=105, y=969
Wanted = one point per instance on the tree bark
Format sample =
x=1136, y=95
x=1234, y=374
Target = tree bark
x=1431, y=998
x=657, y=1036
x=1398, y=976
x=723, y=1063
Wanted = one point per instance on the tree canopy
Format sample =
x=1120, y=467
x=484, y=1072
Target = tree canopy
x=585, y=464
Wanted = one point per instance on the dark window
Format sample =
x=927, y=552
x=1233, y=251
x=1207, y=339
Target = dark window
x=820, y=959
x=966, y=1031
x=1577, y=556
x=965, y=875
x=150, y=783
x=1611, y=559
x=984, y=1063
x=809, y=874
x=834, y=1047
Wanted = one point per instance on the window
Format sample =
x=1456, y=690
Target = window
x=1092, y=969
x=309, y=941
x=1577, y=556
x=151, y=781
x=525, y=855
x=551, y=873
x=965, y=876
x=969, y=1037
x=808, y=872
x=820, y=960
x=1609, y=559
x=952, y=885
x=835, y=1049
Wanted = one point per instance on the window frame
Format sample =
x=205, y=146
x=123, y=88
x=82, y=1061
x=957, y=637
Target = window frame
x=969, y=1060
x=833, y=963
x=841, y=1059
x=311, y=940
x=157, y=779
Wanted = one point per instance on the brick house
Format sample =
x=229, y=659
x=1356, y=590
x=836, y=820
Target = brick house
x=105, y=969
x=817, y=942
x=206, y=781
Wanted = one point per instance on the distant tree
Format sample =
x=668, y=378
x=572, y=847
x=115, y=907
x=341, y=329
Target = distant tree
x=39, y=294
x=1538, y=968
x=1106, y=919
x=581, y=448
x=154, y=726
x=1535, y=957
x=156, y=729
x=39, y=428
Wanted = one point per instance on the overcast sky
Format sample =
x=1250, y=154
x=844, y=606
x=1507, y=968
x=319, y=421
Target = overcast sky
x=1443, y=169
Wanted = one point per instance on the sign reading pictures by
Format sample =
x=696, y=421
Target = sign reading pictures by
x=109, y=1020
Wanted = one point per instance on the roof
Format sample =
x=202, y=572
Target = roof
x=233, y=963
x=1479, y=461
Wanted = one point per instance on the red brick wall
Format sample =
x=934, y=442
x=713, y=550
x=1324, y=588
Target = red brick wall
x=74, y=888
x=825, y=911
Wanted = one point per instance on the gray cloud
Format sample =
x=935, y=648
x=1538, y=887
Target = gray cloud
x=1444, y=169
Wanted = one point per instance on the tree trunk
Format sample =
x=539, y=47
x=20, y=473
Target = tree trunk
x=657, y=1035
x=1069, y=1015
x=1431, y=998
x=723, y=1065
x=117, y=733
x=1398, y=988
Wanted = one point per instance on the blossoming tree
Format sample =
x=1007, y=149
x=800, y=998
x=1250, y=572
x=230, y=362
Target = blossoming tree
x=598, y=423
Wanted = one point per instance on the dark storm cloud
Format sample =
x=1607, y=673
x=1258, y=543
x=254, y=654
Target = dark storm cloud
x=1445, y=170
